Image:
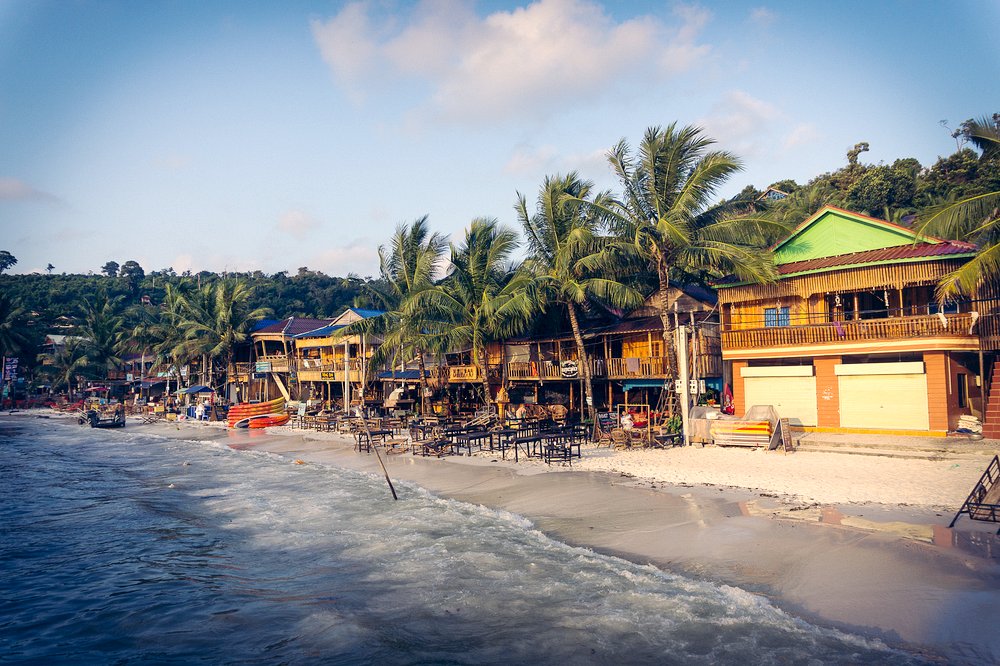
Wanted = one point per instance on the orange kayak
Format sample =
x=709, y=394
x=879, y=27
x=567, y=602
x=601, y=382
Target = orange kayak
x=268, y=420
x=249, y=409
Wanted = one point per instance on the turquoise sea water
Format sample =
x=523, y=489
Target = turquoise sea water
x=127, y=548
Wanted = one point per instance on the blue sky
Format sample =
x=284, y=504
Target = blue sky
x=241, y=136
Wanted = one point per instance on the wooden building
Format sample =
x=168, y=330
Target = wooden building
x=850, y=337
x=266, y=371
x=628, y=357
x=330, y=365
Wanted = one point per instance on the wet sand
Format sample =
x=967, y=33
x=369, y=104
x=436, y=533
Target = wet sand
x=858, y=568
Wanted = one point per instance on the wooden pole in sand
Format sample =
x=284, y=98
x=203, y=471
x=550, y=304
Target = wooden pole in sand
x=378, y=455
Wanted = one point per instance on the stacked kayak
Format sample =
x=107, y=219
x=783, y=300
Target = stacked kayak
x=268, y=420
x=240, y=415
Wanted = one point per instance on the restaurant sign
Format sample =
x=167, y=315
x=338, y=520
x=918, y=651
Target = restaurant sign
x=327, y=374
x=262, y=366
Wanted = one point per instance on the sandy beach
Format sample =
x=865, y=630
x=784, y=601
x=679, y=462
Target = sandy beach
x=856, y=542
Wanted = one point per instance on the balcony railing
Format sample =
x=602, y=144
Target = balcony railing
x=463, y=373
x=894, y=328
x=649, y=366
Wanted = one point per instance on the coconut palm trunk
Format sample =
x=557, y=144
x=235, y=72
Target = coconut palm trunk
x=481, y=365
x=581, y=352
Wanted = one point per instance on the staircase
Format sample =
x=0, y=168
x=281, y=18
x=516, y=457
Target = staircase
x=991, y=426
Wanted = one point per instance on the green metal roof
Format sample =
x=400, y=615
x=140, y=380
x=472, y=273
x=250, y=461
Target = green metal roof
x=832, y=232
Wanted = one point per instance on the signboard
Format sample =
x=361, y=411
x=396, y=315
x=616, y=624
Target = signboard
x=694, y=386
x=327, y=374
x=10, y=369
x=606, y=422
x=568, y=369
x=260, y=375
x=262, y=366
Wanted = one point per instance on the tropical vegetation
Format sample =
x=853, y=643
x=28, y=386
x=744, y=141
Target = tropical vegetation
x=580, y=254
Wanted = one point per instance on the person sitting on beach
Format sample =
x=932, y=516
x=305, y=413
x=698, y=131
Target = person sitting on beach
x=627, y=422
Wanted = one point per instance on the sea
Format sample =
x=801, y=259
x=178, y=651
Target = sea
x=125, y=547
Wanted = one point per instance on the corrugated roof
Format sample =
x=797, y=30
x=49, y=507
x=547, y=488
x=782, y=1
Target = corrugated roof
x=888, y=254
x=292, y=326
x=321, y=332
x=367, y=314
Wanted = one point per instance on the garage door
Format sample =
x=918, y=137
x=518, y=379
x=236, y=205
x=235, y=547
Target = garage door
x=794, y=398
x=884, y=401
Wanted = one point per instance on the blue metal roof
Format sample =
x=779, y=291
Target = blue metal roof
x=264, y=323
x=367, y=314
x=321, y=332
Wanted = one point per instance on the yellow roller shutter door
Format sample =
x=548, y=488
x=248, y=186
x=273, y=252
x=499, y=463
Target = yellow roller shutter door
x=794, y=398
x=884, y=401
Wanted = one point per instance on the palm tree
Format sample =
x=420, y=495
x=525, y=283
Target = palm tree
x=100, y=332
x=572, y=264
x=407, y=266
x=66, y=363
x=170, y=345
x=483, y=297
x=975, y=218
x=216, y=319
x=14, y=337
x=666, y=213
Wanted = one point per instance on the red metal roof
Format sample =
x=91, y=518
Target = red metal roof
x=888, y=254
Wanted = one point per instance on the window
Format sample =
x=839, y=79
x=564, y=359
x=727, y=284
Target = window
x=776, y=316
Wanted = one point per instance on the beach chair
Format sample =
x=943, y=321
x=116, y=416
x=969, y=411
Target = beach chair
x=619, y=439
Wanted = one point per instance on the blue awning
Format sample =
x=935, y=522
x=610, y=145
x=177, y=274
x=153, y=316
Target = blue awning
x=195, y=389
x=400, y=374
x=630, y=384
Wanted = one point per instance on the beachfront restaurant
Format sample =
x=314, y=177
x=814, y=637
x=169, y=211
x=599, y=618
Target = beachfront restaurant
x=850, y=337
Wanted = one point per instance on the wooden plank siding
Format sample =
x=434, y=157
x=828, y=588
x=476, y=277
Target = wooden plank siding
x=888, y=276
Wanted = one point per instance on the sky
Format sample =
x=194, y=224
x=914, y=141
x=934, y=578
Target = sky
x=241, y=136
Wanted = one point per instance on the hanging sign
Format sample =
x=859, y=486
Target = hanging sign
x=568, y=369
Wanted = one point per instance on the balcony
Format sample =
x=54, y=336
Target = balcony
x=316, y=370
x=272, y=363
x=847, y=332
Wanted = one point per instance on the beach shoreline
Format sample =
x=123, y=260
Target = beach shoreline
x=891, y=571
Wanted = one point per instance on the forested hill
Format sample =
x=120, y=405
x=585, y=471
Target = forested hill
x=51, y=297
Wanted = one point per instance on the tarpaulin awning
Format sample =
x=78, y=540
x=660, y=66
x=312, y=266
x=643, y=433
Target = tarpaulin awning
x=630, y=384
x=400, y=374
x=195, y=389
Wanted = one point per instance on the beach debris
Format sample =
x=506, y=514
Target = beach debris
x=299, y=461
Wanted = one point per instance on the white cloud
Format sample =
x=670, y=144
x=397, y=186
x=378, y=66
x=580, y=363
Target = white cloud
x=801, y=135
x=527, y=61
x=13, y=189
x=682, y=52
x=742, y=124
x=358, y=256
x=762, y=16
x=297, y=223
x=183, y=262
x=530, y=160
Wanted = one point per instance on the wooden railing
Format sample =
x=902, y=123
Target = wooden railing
x=650, y=366
x=614, y=368
x=279, y=362
x=533, y=370
x=893, y=328
x=463, y=373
